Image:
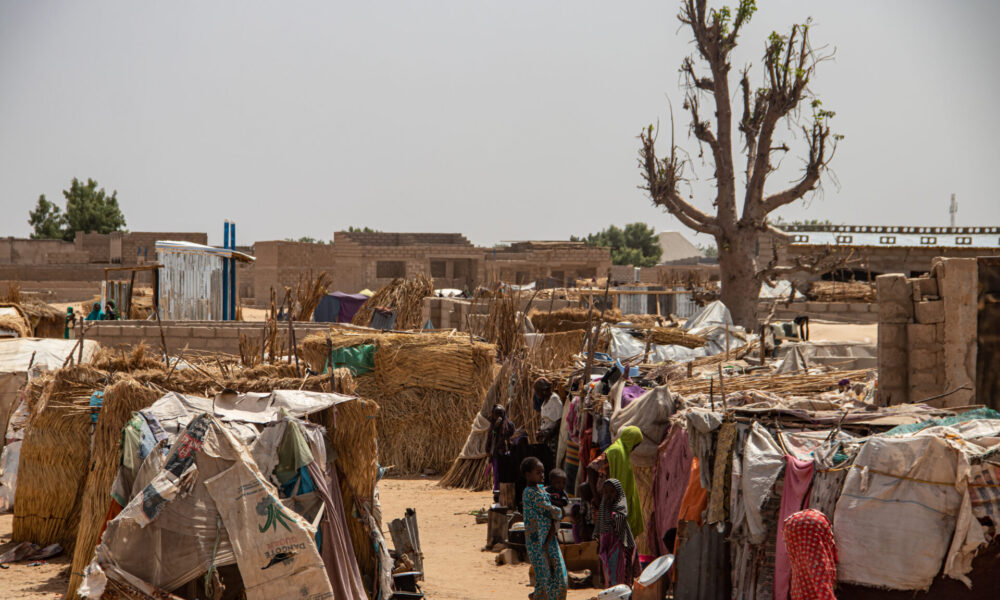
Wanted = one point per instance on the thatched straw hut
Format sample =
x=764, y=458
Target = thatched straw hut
x=64, y=490
x=428, y=386
x=403, y=296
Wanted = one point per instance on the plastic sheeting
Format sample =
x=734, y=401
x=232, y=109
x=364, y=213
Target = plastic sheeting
x=15, y=354
x=248, y=408
x=712, y=323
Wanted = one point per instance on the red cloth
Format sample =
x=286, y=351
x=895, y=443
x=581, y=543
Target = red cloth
x=798, y=476
x=813, y=555
x=695, y=499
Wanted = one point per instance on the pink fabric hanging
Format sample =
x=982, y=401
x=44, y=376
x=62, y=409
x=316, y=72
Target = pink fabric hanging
x=670, y=479
x=798, y=476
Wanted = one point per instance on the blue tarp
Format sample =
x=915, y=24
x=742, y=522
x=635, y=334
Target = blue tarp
x=338, y=307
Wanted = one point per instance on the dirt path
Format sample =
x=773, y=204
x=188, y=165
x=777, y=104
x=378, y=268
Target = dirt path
x=455, y=567
x=21, y=581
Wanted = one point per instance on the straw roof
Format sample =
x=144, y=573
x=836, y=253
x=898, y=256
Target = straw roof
x=405, y=296
x=429, y=386
x=63, y=486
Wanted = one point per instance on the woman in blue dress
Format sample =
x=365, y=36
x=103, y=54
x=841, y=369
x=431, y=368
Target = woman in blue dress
x=541, y=521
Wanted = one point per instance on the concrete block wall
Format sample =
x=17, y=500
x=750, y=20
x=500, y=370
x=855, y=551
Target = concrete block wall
x=213, y=336
x=927, y=334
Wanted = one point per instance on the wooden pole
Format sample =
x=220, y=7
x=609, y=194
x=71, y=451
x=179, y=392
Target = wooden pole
x=722, y=389
x=163, y=340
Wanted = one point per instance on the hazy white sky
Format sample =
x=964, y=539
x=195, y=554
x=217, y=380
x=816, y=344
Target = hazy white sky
x=500, y=120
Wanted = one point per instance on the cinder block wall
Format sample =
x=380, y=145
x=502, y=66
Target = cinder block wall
x=215, y=336
x=927, y=334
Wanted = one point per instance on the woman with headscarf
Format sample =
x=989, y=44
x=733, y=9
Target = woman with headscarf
x=616, y=544
x=498, y=444
x=541, y=520
x=616, y=463
x=812, y=555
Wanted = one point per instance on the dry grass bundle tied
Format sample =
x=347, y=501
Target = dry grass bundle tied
x=557, y=349
x=120, y=401
x=308, y=292
x=18, y=322
x=404, y=296
x=568, y=319
x=12, y=294
x=793, y=384
x=643, y=321
x=54, y=459
x=118, y=359
x=842, y=291
x=502, y=324
x=428, y=387
x=666, y=336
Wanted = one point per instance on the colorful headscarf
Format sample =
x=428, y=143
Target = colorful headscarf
x=812, y=554
x=620, y=468
x=613, y=516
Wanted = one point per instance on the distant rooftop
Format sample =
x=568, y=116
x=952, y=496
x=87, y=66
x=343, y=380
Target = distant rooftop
x=893, y=235
x=676, y=248
x=379, y=238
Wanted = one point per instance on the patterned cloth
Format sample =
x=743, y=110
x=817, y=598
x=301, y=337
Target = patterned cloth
x=616, y=544
x=551, y=580
x=813, y=555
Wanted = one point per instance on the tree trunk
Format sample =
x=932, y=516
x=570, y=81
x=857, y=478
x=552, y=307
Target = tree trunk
x=738, y=274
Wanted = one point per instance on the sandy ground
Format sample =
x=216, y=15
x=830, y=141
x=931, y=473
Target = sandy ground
x=456, y=567
x=21, y=581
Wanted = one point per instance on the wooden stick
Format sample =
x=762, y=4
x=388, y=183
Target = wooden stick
x=711, y=392
x=163, y=340
x=722, y=389
x=295, y=350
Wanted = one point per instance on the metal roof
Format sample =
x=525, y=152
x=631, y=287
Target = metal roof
x=891, y=235
x=192, y=248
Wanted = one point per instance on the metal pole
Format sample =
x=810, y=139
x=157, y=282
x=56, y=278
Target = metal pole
x=232, y=273
x=225, y=272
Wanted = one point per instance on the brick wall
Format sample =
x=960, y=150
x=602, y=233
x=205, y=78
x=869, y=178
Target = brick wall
x=211, y=336
x=132, y=242
x=927, y=334
x=281, y=264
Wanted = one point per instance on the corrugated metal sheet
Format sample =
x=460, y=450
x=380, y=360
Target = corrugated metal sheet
x=190, y=285
x=634, y=304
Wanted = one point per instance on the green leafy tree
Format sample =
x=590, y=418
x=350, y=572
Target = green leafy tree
x=636, y=244
x=90, y=209
x=47, y=221
x=709, y=251
x=366, y=229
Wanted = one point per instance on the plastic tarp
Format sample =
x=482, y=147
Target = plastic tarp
x=800, y=356
x=781, y=290
x=714, y=323
x=338, y=307
x=649, y=412
x=15, y=354
x=905, y=510
x=257, y=408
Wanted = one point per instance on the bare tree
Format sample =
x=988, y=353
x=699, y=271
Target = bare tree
x=789, y=64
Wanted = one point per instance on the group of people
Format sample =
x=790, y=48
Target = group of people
x=108, y=314
x=608, y=509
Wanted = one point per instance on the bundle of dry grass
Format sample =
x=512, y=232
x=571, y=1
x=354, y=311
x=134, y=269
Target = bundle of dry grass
x=428, y=386
x=643, y=321
x=308, y=292
x=667, y=336
x=502, y=324
x=568, y=319
x=557, y=350
x=120, y=401
x=350, y=430
x=793, y=384
x=54, y=458
x=842, y=291
x=404, y=296
x=121, y=359
x=46, y=321
x=17, y=322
